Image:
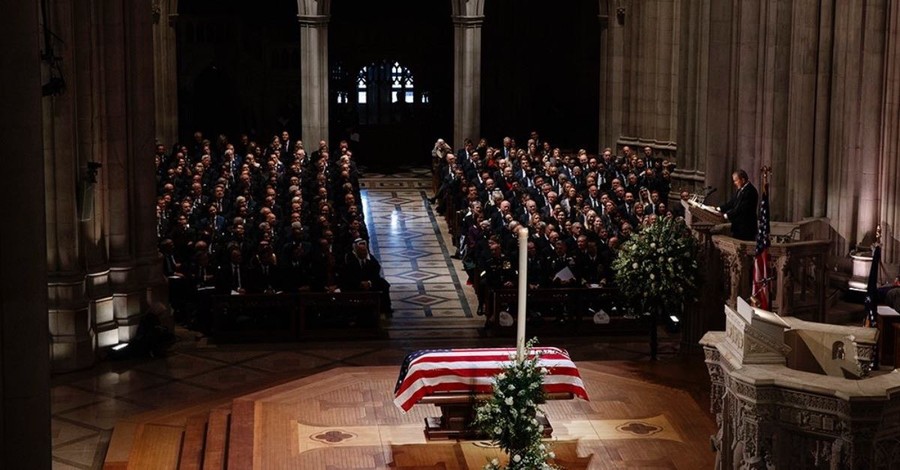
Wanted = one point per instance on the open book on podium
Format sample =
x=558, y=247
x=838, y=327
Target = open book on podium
x=696, y=211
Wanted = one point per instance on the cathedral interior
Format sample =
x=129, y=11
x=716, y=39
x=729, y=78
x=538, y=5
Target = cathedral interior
x=809, y=88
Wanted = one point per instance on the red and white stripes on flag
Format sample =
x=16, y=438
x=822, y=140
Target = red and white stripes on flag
x=761, y=278
x=472, y=371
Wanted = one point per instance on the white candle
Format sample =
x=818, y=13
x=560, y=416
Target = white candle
x=523, y=287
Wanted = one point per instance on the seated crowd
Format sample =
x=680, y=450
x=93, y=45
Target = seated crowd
x=578, y=209
x=246, y=218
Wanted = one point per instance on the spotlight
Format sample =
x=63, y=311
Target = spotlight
x=119, y=346
x=672, y=324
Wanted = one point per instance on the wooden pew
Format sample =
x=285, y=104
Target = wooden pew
x=550, y=300
x=290, y=317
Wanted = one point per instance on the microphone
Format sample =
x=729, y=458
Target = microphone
x=710, y=190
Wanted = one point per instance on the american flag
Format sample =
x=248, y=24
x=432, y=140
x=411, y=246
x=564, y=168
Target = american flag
x=761, y=278
x=472, y=371
x=872, y=289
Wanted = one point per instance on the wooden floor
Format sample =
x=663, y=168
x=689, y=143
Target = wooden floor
x=345, y=418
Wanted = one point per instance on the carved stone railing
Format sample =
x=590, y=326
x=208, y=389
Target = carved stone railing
x=800, y=279
x=773, y=416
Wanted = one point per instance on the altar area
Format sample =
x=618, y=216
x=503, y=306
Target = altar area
x=345, y=418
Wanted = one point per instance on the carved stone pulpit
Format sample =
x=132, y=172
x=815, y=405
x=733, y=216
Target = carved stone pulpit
x=794, y=394
x=800, y=281
x=754, y=336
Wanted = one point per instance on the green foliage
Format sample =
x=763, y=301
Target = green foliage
x=510, y=416
x=657, y=267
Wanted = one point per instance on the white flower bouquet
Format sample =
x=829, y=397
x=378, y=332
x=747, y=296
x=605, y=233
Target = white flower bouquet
x=509, y=417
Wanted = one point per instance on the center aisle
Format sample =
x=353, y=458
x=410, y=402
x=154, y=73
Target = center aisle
x=428, y=291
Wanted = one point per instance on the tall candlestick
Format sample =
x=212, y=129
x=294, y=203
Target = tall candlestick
x=523, y=289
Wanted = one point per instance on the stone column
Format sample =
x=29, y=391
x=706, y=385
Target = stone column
x=604, y=135
x=313, y=78
x=467, y=77
x=143, y=277
x=890, y=148
x=25, y=364
x=70, y=318
x=165, y=72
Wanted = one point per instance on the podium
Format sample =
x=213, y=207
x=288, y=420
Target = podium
x=695, y=212
x=800, y=277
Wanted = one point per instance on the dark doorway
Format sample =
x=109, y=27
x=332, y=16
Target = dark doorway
x=391, y=84
x=543, y=60
x=238, y=68
x=208, y=107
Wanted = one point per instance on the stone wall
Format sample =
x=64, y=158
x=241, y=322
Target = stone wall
x=103, y=273
x=807, y=87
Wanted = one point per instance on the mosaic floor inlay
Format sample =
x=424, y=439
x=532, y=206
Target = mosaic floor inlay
x=428, y=289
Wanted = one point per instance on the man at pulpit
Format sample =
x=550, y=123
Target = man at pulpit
x=741, y=209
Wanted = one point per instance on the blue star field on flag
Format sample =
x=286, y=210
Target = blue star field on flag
x=761, y=278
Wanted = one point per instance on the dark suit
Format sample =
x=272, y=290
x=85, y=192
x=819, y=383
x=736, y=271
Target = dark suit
x=227, y=281
x=357, y=271
x=741, y=212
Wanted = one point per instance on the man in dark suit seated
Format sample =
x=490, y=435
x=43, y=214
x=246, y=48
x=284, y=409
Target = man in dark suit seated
x=741, y=209
x=362, y=272
x=232, y=277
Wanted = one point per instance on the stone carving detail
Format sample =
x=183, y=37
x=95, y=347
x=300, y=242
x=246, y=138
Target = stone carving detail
x=865, y=354
x=767, y=343
x=736, y=337
x=769, y=427
x=757, y=347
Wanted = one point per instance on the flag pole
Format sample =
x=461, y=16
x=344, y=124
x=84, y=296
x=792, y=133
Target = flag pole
x=759, y=292
x=523, y=292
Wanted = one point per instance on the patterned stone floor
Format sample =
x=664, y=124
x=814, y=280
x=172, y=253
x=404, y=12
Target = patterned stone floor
x=434, y=309
x=428, y=291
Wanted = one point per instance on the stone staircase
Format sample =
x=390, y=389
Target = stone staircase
x=215, y=434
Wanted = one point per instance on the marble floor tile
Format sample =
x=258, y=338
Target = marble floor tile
x=227, y=378
x=288, y=361
x=169, y=394
x=121, y=383
x=228, y=357
x=58, y=465
x=179, y=367
x=64, y=398
x=105, y=413
x=84, y=453
x=64, y=432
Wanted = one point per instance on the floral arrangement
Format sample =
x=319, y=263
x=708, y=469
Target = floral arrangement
x=509, y=417
x=657, y=267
